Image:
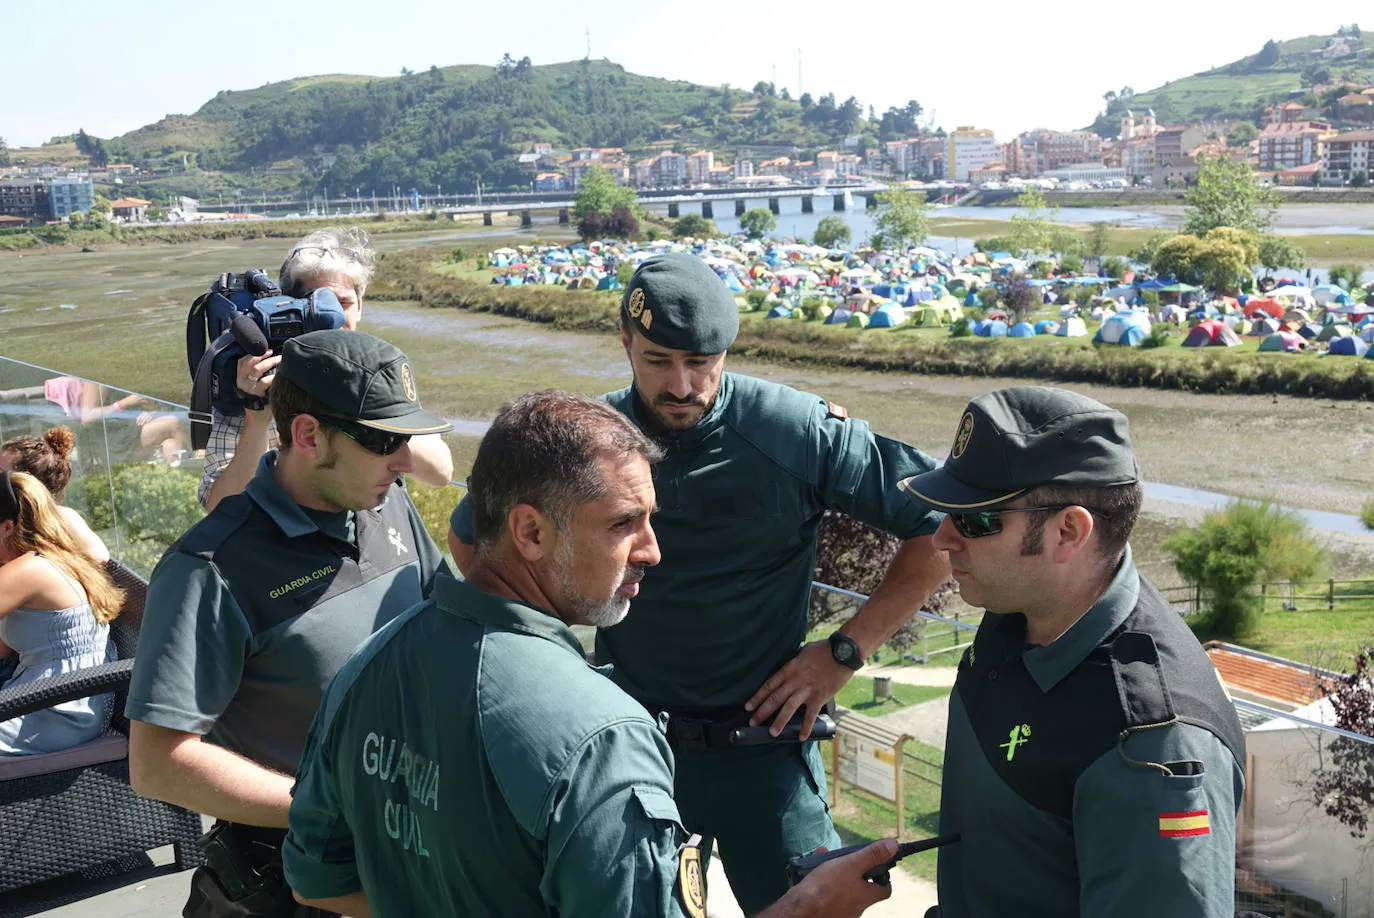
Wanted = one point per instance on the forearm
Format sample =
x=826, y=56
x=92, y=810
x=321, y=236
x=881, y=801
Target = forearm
x=433, y=460
x=914, y=574
x=354, y=905
x=252, y=443
x=206, y=778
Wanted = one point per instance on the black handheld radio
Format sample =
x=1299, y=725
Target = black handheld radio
x=799, y=867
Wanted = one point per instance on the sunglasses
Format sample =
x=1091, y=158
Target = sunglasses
x=381, y=442
x=989, y=522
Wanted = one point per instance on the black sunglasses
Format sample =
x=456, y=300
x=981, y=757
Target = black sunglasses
x=989, y=522
x=381, y=442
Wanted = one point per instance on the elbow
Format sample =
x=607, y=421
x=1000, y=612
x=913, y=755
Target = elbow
x=151, y=765
x=144, y=776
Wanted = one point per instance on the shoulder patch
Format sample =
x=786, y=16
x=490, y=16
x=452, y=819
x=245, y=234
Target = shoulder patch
x=691, y=886
x=836, y=411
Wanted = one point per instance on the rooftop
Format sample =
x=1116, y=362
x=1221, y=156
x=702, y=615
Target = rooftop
x=1274, y=678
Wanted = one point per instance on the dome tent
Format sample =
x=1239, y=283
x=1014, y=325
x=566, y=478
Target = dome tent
x=1285, y=342
x=1349, y=347
x=991, y=328
x=1046, y=327
x=1211, y=333
x=1128, y=329
x=1021, y=330
x=1072, y=327
x=889, y=315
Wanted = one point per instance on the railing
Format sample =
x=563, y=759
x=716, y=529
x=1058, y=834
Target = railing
x=1325, y=595
x=134, y=477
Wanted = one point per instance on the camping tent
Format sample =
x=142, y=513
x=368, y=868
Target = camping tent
x=991, y=328
x=1021, y=330
x=1350, y=347
x=1256, y=305
x=1211, y=333
x=1264, y=327
x=839, y=316
x=1127, y=328
x=1309, y=330
x=1046, y=327
x=779, y=312
x=889, y=315
x=1283, y=341
x=1072, y=327
x=857, y=320
x=1335, y=331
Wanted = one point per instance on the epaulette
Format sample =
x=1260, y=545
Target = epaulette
x=205, y=538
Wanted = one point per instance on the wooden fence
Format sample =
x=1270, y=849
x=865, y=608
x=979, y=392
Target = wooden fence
x=1319, y=596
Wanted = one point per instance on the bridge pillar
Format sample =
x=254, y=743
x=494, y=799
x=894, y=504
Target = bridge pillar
x=739, y=207
x=707, y=210
x=486, y=218
x=870, y=202
x=562, y=216
x=672, y=211
x=808, y=206
x=526, y=218
x=839, y=202
x=775, y=206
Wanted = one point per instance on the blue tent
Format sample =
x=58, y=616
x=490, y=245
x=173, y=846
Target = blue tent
x=1046, y=327
x=1349, y=347
x=839, y=317
x=609, y=282
x=991, y=328
x=888, y=315
x=779, y=312
x=1154, y=284
x=733, y=285
x=1021, y=330
x=883, y=290
x=1127, y=329
x=972, y=299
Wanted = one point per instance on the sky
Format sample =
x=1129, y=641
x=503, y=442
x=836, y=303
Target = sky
x=110, y=67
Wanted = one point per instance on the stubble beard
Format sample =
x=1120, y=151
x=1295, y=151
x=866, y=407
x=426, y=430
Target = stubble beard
x=584, y=609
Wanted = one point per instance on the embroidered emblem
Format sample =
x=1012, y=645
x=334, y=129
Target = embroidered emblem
x=647, y=318
x=691, y=888
x=963, y=436
x=1180, y=825
x=1019, y=735
x=636, y=302
x=396, y=541
x=408, y=381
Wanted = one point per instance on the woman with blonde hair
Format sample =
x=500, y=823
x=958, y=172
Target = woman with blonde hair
x=56, y=604
x=45, y=458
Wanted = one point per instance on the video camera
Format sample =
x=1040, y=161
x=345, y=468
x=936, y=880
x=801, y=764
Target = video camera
x=243, y=314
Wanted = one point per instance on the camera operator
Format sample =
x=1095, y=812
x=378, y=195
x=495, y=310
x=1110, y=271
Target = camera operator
x=340, y=259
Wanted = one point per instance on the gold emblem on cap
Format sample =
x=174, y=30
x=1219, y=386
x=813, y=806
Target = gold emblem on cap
x=408, y=381
x=691, y=888
x=647, y=318
x=963, y=436
x=636, y=302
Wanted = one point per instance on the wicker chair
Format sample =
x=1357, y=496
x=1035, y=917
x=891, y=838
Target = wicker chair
x=74, y=810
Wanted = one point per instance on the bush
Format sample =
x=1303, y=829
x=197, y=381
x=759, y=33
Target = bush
x=962, y=328
x=989, y=296
x=1367, y=513
x=1158, y=337
x=457, y=256
x=1235, y=549
x=1022, y=299
x=1072, y=264
x=994, y=244
x=694, y=225
x=1113, y=267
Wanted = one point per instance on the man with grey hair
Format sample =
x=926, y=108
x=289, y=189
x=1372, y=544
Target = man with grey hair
x=529, y=783
x=340, y=259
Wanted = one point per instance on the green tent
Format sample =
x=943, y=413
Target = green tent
x=857, y=320
x=1335, y=331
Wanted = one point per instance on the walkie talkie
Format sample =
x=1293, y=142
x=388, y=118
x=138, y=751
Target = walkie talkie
x=799, y=867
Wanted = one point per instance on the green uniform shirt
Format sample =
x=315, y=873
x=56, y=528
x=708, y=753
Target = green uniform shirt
x=1055, y=820
x=740, y=497
x=467, y=761
x=252, y=611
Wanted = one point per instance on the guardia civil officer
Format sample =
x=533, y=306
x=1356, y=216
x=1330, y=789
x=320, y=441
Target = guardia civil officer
x=468, y=761
x=749, y=468
x=1094, y=763
x=251, y=612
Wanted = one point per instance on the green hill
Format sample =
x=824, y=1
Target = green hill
x=1241, y=90
x=455, y=126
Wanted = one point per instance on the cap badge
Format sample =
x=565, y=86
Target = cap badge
x=636, y=302
x=963, y=436
x=408, y=381
x=647, y=319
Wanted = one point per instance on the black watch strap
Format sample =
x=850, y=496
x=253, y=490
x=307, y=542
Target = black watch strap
x=846, y=651
x=253, y=402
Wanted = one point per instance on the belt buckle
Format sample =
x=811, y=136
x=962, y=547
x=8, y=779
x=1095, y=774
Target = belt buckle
x=686, y=733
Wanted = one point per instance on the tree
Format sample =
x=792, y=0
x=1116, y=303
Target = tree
x=902, y=219
x=1226, y=195
x=1242, y=133
x=694, y=225
x=758, y=222
x=1343, y=786
x=1030, y=232
x=598, y=193
x=832, y=232
x=1097, y=241
x=1347, y=276
x=1358, y=180
x=4, y=152
x=1269, y=54
x=1278, y=252
x=1219, y=260
x=1021, y=299
x=1233, y=550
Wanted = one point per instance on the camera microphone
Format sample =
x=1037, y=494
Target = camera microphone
x=248, y=335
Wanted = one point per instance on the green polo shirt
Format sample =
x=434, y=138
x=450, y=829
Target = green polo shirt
x=252, y=611
x=740, y=497
x=1055, y=819
x=468, y=761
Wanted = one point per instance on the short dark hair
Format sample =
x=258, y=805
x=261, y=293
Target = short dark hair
x=289, y=400
x=1114, y=510
x=542, y=450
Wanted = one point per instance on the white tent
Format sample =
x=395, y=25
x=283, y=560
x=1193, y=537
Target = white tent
x=1072, y=327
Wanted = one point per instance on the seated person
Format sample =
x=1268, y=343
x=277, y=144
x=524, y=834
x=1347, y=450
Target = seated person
x=45, y=458
x=56, y=605
x=339, y=259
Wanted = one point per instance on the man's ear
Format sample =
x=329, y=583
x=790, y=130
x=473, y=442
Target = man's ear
x=1071, y=534
x=306, y=434
x=531, y=532
x=627, y=338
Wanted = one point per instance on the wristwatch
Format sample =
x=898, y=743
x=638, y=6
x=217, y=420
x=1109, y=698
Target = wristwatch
x=845, y=651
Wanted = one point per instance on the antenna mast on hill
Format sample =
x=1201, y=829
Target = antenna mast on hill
x=589, y=42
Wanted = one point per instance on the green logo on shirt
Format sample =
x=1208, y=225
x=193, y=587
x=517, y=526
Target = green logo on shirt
x=1019, y=734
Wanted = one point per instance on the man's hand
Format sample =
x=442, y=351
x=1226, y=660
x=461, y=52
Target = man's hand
x=255, y=374
x=809, y=680
x=837, y=889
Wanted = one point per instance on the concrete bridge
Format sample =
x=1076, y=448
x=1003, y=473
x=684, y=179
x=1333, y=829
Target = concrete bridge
x=840, y=198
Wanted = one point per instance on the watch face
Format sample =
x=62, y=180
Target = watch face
x=844, y=651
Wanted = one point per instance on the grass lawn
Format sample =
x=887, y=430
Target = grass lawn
x=857, y=695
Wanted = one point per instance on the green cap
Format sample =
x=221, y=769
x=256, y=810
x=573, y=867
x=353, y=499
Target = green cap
x=678, y=302
x=361, y=378
x=1013, y=440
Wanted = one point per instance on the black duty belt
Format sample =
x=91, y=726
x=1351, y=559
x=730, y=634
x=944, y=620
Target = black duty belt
x=732, y=730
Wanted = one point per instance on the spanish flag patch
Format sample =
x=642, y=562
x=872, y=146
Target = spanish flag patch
x=1177, y=825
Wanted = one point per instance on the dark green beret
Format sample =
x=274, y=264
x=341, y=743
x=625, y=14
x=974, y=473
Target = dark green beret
x=1016, y=439
x=678, y=302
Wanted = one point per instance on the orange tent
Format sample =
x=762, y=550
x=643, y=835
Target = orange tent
x=1256, y=305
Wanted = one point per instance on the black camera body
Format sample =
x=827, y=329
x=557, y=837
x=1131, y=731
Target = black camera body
x=243, y=314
